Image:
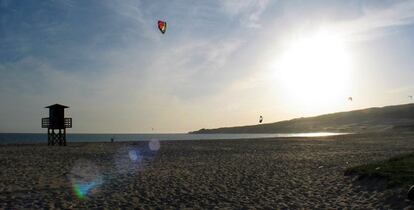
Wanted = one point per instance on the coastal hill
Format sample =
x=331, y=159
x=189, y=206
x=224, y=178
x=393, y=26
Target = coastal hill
x=396, y=118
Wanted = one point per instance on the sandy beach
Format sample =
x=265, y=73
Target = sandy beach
x=278, y=173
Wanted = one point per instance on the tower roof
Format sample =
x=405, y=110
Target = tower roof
x=57, y=106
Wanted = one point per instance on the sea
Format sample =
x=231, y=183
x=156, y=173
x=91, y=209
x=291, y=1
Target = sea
x=29, y=138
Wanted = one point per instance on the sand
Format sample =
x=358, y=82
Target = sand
x=278, y=173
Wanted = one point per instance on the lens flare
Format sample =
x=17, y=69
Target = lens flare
x=85, y=178
x=134, y=155
x=132, y=158
x=81, y=190
x=128, y=159
x=154, y=145
x=78, y=192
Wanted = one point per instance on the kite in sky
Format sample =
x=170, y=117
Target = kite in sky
x=261, y=119
x=162, y=25
x=410, y=97
x=350, y=99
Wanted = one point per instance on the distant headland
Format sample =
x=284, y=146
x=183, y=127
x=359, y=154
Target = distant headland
x=388, y=118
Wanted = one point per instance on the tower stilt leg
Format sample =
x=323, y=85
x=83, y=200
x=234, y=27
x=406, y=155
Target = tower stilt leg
x=48, y=137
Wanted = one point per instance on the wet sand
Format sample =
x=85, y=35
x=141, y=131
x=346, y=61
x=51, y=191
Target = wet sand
x=278, y=173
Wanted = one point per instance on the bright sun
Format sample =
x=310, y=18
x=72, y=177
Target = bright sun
x=316, y=69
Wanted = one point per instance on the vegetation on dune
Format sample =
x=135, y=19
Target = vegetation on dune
x=396, y=171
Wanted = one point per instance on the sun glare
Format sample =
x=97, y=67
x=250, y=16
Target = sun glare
x=316, y=69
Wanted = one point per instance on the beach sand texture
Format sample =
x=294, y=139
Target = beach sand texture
x=279, y=173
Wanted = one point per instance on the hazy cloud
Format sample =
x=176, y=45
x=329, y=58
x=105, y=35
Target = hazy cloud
x=373, y=21
x=248, y=12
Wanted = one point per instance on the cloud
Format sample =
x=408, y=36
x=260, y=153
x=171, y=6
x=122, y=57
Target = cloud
x=248, y=11
x=132, y=12
x=373, y=20
x=193, y=69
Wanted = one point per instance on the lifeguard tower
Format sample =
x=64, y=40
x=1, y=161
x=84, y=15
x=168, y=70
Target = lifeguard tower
x=56, y=125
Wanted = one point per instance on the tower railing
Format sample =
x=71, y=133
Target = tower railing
x=68, y=122
x=45, y=122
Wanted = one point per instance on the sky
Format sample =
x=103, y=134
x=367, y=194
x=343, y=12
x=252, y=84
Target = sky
x=220, y=62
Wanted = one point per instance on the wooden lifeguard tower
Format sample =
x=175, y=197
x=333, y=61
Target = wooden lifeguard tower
x=56, y=122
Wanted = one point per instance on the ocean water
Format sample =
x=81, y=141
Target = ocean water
x=24, y=138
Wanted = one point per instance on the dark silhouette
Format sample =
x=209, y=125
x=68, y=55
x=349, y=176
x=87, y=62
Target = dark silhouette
x=112, y=140
x=56, y=121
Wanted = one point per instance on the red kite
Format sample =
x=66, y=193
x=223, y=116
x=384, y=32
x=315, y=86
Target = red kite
x=162, y=25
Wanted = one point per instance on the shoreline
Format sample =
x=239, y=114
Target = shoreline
x=83, y=138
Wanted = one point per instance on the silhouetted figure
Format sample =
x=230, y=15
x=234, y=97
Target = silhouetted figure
x=56, y=121
x=260, y=119
x=112, y=140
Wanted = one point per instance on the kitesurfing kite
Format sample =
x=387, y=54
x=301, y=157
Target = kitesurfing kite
x=349, y=98
x=410, y=97
x=261, y=119
x=162, y=25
